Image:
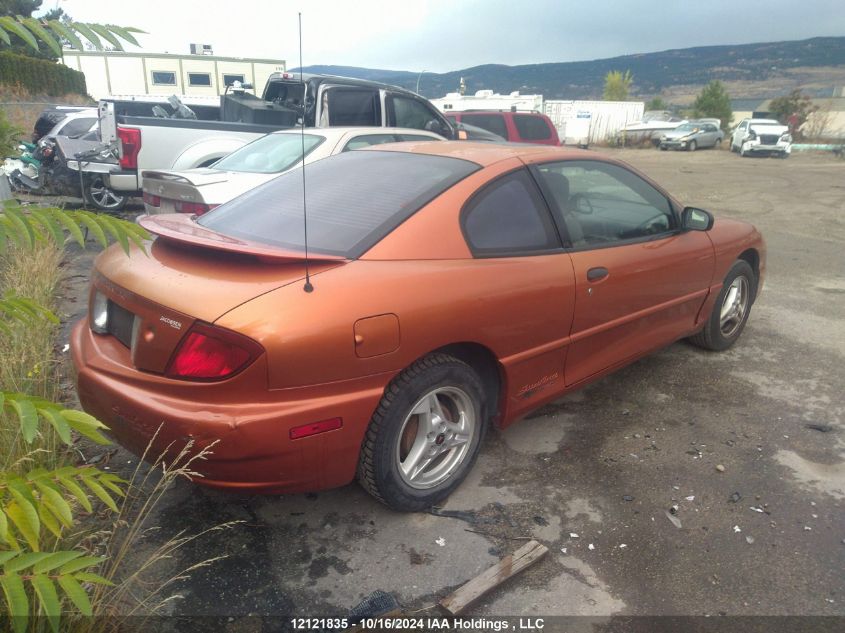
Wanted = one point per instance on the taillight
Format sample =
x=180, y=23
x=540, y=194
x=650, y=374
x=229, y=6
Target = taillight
x=211, y=353
x=197, y=208
x=150, y=199
x=130, y=142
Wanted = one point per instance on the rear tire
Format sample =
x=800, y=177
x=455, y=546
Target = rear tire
x=425, y=434
x=103, y=198
x=730, y=311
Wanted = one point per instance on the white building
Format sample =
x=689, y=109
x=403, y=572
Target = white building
x=488, y=100
x=125, y=73
x=585, y=122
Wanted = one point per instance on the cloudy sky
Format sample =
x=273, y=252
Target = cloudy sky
x=443, y=35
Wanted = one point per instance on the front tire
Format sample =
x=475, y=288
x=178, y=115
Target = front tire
x=425, y=434
x=692, y=146
x=730, y=311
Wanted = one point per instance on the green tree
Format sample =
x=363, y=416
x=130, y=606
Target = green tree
x=617, y=85
x=714, y=101
x=657, y=103
x=20, y=29
x=793, y=110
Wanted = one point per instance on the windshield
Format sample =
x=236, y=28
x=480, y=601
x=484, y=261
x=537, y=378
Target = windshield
x=686, y=127
x=354, y=199
x=269, y=154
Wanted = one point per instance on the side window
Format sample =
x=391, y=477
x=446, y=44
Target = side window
x=199, y=79
x=163, y=78
x=508, y=217
x=365, y=140
x=411, y=113
x=531, y=128
x=350, y=106
x=743, y=125
x=602, y=204
x=491, y=122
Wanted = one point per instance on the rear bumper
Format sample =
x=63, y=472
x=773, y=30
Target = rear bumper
x=246, y=427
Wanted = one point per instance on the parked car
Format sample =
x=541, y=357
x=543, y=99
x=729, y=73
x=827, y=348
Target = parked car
x=200, y=190
x=52, y=120
x=517, y=127
x=177, y=138
x=447, y=286
x=692, y=135
x=761, y=136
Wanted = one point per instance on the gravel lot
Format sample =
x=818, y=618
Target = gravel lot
x=766, y=536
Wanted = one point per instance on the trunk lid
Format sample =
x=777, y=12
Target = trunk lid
x=157, y=298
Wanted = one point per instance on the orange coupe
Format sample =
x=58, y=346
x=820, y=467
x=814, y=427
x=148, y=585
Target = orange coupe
x=450, y=286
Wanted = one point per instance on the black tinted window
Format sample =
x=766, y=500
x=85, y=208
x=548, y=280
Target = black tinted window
x=508, y=216
x=199, y=79
x=491, y=122
x=164, y=78
x=531, y=128
x=353, y=200
x=353, y=106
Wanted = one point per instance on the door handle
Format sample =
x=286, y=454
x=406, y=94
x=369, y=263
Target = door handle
x=595, y=274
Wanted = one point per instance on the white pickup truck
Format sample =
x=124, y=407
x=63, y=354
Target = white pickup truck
x=176, y=140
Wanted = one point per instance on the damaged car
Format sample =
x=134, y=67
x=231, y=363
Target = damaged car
x=761, y=136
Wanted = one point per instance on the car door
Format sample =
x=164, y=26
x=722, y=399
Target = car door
x=639, y=280
x=739, y=133
x=510, y=232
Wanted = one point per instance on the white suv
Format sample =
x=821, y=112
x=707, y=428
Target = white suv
x=763, y=136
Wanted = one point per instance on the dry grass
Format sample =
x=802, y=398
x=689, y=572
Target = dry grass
x=27, y=357
x=22, y=108
x=144, y=585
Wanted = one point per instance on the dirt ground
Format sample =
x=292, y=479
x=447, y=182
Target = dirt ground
x=593, y=475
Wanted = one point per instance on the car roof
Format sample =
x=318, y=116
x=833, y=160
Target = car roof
x=485, y=154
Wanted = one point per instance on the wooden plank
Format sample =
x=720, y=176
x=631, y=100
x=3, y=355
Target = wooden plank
x=509, y=566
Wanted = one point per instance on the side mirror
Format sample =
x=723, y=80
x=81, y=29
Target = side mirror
x=693, y=219
x=462, y=135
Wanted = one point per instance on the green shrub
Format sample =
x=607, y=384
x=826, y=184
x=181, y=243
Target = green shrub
x=40, y=76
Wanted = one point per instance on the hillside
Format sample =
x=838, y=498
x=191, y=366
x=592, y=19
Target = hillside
x=750, y=70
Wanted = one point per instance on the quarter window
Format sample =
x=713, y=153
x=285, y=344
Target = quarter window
x=164, y=78
x=602, y=204
x=199, y=79
x=508, y=217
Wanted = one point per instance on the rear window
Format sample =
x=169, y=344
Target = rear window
x=353, y=200
x=531, y=128
x=270, y=154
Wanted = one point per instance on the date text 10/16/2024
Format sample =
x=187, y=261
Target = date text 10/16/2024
x=424, y=624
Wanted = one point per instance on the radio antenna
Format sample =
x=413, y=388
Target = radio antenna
x=307, y=287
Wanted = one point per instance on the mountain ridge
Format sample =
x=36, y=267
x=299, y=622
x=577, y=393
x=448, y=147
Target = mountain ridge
x=674, y=72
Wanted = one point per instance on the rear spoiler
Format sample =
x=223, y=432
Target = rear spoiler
x=183, y=229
